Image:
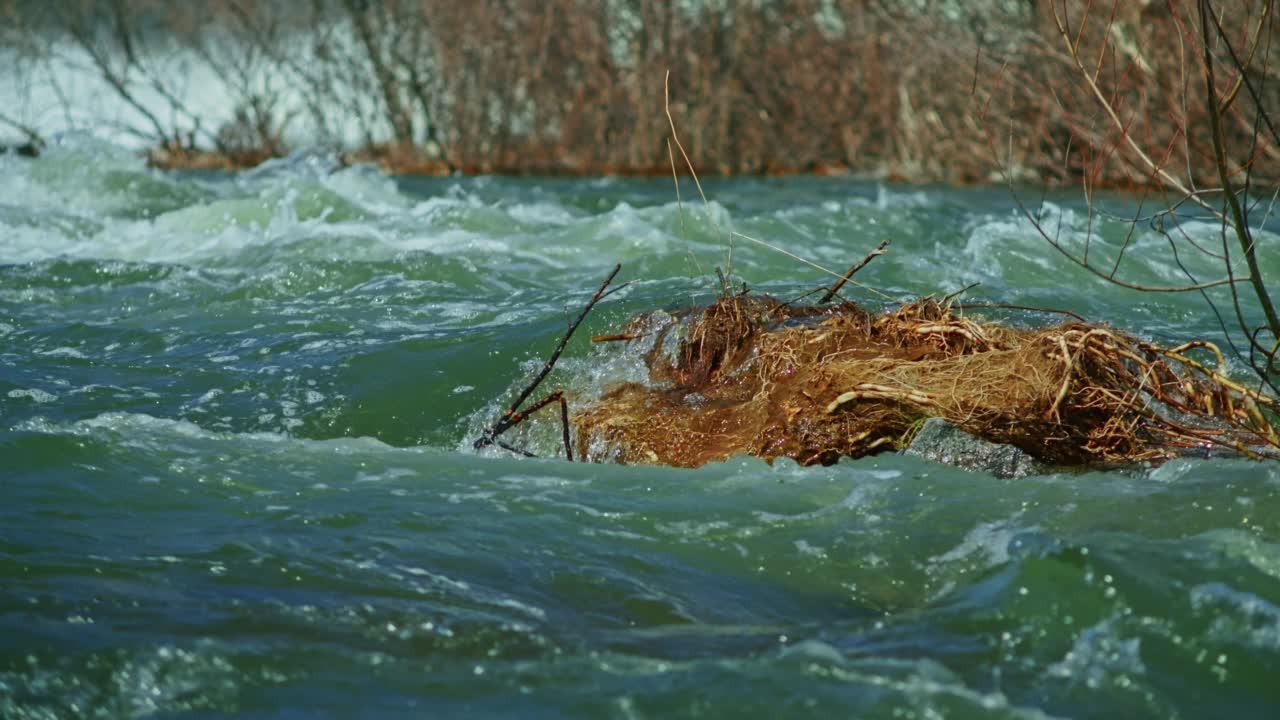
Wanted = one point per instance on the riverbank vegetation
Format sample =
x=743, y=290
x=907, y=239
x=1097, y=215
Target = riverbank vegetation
x=902, y=90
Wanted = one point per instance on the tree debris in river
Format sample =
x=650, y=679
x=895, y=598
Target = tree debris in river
x=749, y=374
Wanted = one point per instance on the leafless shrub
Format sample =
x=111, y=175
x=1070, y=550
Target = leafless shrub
x=904, y=89
x=1178, y=98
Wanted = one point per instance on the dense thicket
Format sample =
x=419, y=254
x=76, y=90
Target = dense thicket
x=928, y=90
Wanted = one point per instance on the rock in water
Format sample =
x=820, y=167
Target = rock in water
x=940, y=441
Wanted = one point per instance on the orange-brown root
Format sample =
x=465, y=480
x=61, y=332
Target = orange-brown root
x=751, y=375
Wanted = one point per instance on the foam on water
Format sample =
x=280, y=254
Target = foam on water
x=115, y=208
x=235, y=415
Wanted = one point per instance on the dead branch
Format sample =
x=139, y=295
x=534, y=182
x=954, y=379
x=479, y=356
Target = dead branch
x=880, y=250
x=513, y=415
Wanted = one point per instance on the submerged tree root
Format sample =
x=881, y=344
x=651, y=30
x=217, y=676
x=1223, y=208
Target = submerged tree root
x=816, y=384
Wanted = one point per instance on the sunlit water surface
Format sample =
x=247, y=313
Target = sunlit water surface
x=236, y=476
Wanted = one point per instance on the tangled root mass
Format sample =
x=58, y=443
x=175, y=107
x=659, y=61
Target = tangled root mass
x=817, y=384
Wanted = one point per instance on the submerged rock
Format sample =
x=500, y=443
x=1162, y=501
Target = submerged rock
x=940, y=441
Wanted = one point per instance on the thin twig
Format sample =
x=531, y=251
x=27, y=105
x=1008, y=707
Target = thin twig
x=564, y=426
x=880, y=250
x=810, y=263
x=684, y=234
x=512, y=415
x=34, y=140
x=666, y=103
x=521, y=416
x=724, y=284
x=613, y=290
x=619, y=337
x=798, y=298
x=946, y=300
x=1030, y=308
x=1120, y=125
x=666, y=106
x=1237, y=220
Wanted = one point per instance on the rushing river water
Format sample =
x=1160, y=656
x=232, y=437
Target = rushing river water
x=236, y=476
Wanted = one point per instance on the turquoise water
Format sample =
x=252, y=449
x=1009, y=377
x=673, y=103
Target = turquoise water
x=236, y=479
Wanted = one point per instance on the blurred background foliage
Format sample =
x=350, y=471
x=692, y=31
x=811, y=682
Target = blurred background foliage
x=924, y=90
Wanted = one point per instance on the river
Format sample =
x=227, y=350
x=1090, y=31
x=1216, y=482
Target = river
x=236, y=414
